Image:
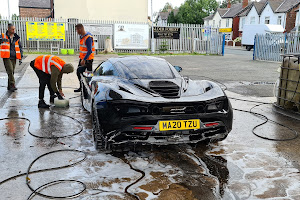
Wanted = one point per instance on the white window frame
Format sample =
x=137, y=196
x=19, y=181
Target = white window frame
x=279, y=20
x=252, y=20
x=267, y=18
x=227, y=23
x=220, y=23
x=243, y=22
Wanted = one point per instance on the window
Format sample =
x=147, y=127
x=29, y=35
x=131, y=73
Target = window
x=279, y=20
x=267, y=20
x=252, y=20
x=214, y=23
x=145, y=69
x=106, y=69
x=243, y=22
x=220, y=23
x=227, y=22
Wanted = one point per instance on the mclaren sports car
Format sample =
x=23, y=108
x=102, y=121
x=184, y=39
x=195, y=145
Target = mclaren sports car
x=141, y=99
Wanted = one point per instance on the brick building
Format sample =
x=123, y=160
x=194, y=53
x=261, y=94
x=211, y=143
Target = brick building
x=36, y=8
x=289, y=7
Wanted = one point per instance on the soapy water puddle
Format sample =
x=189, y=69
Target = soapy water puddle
x=227, y=170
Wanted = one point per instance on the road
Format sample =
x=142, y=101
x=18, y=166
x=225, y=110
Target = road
x=241, y=167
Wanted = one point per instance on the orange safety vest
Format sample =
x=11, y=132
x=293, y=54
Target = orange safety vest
x=5, y=48
x=83, y=48
x=44, y=63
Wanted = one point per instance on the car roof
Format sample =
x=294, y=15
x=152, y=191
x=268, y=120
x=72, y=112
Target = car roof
x=125, y=59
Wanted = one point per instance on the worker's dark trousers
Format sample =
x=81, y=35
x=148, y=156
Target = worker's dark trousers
x=88, y=66
x=44, y=80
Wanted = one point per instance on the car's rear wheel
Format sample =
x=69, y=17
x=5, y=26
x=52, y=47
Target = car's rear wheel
x=99, y=140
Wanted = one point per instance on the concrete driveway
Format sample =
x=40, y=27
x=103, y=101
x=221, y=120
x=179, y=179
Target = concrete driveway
x=241, y=167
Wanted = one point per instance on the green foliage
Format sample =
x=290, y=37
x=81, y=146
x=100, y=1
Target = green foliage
x=193, y=11
x=14, y=17
x=225, y=2
x=172, y=18
x=163, y=47
x=167, y=7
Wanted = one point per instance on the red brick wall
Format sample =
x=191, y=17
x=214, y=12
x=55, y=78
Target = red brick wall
x=291, y=19
x=34, y=12
x=235, y=27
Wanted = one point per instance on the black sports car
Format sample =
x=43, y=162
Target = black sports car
x=142, y=99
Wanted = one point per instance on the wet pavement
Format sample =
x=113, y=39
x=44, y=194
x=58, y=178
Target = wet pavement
x=241, y=167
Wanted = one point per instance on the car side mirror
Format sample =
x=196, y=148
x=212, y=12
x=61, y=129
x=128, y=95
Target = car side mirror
x=179, y=69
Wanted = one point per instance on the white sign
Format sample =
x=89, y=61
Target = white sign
x=131, y=36
x=96, y=29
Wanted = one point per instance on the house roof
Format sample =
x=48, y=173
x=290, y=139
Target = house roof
x=221, y=12
x=259, y=6
x=35, y=4
x=164, y=15
x=209, y=17
x=234, y=10
x=274, y=4
x=287, y=5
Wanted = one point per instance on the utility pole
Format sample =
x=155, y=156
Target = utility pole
x=152, y=31
x=9, y=17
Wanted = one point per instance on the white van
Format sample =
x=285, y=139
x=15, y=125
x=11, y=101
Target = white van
x=249, y=32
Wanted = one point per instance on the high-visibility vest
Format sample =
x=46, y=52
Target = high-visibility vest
x=44, y=63
x=5, y=48
x=83, y=48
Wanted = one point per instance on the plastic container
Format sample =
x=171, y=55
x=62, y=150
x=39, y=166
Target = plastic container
x=71, y=51
x=64, y=51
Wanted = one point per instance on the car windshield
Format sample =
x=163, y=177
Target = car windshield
x=145, y=69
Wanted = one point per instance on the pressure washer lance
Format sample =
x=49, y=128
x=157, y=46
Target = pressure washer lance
x=64, y=103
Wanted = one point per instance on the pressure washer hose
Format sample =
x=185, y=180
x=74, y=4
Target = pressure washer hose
x=39, y=189
x=261, y=116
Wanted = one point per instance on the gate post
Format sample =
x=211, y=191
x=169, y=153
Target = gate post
x=223, y=45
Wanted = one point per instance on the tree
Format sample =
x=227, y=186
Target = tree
x=193, y=11
x=172, y=18
x=167, y=7
x=14, y=17
x=225, y=3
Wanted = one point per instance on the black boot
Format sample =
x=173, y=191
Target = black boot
x=42, y=104
x=77, y=90
x=52, y=97
x=12, y=88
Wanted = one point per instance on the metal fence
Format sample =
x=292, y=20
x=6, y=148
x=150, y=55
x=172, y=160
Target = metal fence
x=192, y=37
x=270, y=47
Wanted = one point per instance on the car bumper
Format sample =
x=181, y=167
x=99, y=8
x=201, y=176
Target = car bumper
x=121, y=129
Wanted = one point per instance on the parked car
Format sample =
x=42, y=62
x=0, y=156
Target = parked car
x=140, y=99
x=250, y=31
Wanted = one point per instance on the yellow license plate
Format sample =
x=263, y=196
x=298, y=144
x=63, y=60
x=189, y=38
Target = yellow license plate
x=179, y=125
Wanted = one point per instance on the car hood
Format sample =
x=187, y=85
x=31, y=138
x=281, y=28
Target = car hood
x=143, y=89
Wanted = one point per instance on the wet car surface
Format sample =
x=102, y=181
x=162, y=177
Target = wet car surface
x=241, y=167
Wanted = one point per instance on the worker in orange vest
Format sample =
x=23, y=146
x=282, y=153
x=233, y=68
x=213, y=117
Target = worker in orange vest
x=11, y=50
x=86, y=55
x=50, y=70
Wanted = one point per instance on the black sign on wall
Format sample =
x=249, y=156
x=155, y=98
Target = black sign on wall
x=166, y=32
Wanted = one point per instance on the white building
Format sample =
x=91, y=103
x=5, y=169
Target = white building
x=251, y=14
x=270, y=15
x=216, y=20
x=112, y=10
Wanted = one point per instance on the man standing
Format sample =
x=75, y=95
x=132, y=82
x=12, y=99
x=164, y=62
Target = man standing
x=49, y=70
x=87, y=49
x=11, y=50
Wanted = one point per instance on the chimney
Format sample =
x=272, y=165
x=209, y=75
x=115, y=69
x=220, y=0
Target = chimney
x=228, y=4
x=245, y=3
